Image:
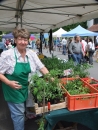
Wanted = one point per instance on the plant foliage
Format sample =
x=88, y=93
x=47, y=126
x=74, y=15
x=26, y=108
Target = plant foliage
x=75, y=87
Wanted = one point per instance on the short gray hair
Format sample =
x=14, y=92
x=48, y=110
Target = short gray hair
x=21, y=33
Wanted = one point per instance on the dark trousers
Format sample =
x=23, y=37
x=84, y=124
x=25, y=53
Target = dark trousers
x=64, y=50
x=91, y=57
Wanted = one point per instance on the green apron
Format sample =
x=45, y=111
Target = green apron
x=20, y=74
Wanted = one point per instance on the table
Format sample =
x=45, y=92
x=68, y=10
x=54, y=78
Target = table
x=87, y=117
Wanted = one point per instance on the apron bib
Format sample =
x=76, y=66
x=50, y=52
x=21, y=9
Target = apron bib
x=20, y=74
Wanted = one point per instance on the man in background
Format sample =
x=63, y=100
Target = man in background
x=76, y=50
x=64, y=43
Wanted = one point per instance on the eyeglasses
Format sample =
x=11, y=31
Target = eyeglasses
x=23, y=39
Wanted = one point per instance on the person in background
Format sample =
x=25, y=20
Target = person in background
x=67, y=46
x=6, y=43
x=15, y=66
x=83, y=43
x=38, y=44
x=76, y=50
x=9, y=46
x=29, y=44
x=58, y=40
x=90, y=49
x=64, y=43
x=45, y=43
x=58, y=43
x=33, y=45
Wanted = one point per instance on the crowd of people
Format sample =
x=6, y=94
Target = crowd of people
x=79, y=49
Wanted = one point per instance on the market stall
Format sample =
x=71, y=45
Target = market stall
x=86, y=117
x=79, y=31
x=77, y=104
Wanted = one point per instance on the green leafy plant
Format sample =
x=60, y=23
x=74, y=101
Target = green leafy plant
x=81, y=70
x=41, y=123
x=60, y=65
x=75, y=87
x=57, y=64
x=46, y=87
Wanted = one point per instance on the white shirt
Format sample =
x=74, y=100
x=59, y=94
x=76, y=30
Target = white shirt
x=84, y=44
x=91, y=45
x=8, y=61
x=64, y=41
x=9, y=46
x=29, y=45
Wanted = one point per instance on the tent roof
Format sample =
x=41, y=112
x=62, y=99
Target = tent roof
x=43, y=15
x=59, y=32
x=10, y=35
x=80, y=31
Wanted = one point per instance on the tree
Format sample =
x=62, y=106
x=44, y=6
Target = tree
x=72, y=26
x=0, y=32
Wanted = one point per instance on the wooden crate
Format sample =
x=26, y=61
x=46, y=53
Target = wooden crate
x=39, y=110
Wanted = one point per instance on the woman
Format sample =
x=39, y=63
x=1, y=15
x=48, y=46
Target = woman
x=15, y=66
x=91, y=49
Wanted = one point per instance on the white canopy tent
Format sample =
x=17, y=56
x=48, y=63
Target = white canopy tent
x=59, y=33
x=43, y=15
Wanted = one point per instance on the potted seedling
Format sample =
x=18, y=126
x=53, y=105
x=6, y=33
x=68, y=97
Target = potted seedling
x=47, y=87
x=75, y=87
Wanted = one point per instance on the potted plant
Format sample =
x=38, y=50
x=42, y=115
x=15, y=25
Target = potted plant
x=46, y=88
x=75, y=87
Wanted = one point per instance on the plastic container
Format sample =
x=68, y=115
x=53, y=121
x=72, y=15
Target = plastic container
x=82, y=101
x=91, y=81
x=65, y=80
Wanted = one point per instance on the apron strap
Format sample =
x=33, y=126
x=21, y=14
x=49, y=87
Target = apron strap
x=16, y=56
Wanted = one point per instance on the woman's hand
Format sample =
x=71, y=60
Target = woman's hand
x=14, y=85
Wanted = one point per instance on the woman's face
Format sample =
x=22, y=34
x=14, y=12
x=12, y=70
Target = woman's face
x=21, y=43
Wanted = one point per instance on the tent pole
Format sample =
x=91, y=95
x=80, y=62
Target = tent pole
x=50, y=42
x=21, y=18
x=40, y=49
x=22, y=3
x=16, y=21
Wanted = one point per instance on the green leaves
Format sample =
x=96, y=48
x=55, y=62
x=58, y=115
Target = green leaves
x=75, y=87
x=58, y=66
x=81, y=70
x=47, y=87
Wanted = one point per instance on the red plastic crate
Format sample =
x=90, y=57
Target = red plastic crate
x=89, y=79
x=82, y=101
x=64, y=80
x=96, y=87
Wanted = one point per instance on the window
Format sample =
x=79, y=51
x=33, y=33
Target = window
x=96, y=21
